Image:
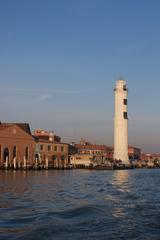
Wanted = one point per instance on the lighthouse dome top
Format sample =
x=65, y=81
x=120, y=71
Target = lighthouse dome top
x=120, y=85
x=121, y=82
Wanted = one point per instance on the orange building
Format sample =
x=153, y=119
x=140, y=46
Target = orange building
x=93, y=149
x=134, y=153
x=16, y=145
x=20, y=149
x=48, y=148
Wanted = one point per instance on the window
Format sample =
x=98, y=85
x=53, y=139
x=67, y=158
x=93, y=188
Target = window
x=54, y=157
x=125, y=115
x=55, y=148
x=62, y=158
x=124, y=88
x=49, y=147
x=14, y=151
x=62, y=149
x=125, y=101
x=6, y=154
x=41, y=147
x=26, y=153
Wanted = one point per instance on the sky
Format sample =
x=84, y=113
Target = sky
x=59, y=61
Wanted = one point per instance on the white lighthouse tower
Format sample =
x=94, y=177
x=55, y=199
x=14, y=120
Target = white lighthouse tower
x=121, y=122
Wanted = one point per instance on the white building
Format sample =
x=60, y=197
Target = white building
x=81, y=160
x=121, y=122
x=86, y=160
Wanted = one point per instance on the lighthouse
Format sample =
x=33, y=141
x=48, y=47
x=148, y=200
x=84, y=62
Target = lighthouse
x=121, y=122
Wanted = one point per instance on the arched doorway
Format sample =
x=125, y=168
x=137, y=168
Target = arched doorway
x=37, y=158
x=14, y=151
x=5, y=154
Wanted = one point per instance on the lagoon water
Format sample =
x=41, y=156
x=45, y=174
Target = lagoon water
x=80, y=204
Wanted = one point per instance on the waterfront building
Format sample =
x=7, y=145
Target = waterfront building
x=151, y=159
x=84, y=160
x=16, y=145
x=86, y=154
x=134, y=153
x=81, y=160
x=149, y=156
x=72, y=149
x=50, y=149
x=121, y=122
x=87, y=160
x=104, y=152
x=20, y=149
x=85, y=147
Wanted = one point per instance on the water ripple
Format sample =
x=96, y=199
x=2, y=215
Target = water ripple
x=80, y=204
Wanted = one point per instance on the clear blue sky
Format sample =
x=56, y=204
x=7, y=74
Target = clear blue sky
x=59, y=60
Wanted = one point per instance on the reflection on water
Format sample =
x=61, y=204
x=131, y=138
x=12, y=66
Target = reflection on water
x=80, y=204
x=122, y=180
x=122, y=183
x=122, y=177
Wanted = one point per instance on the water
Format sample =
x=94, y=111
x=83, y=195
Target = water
x=80, y=204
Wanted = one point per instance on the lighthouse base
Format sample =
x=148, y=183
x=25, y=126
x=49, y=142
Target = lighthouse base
x=123, y=166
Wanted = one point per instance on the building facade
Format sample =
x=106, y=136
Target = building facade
x=56, y=154
x=16, y=145
x=86, y=154
x=93, y=149
x=134, y=153
x=49, y=149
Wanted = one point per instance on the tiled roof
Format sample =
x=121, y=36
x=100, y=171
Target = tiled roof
x=93, y=147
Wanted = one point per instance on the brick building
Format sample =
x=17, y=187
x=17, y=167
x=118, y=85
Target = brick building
x=48, y=147
x=16, y=144
x=93, y=149
x=134, y=153
x=19, y=148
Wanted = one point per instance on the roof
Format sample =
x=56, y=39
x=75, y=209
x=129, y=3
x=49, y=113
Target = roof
x=137, y=148
x=150, y=155
x=24, y=126
x=47, y=141
x=93, y=147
